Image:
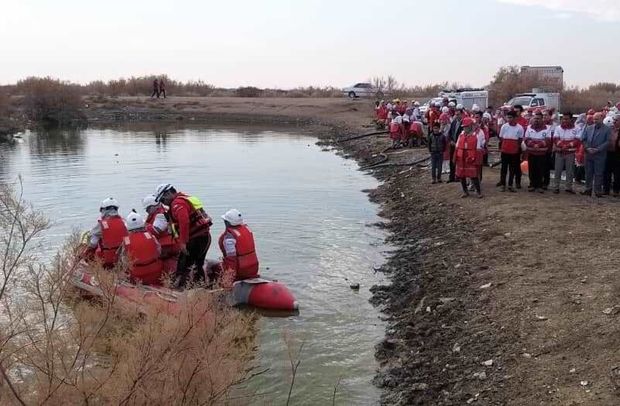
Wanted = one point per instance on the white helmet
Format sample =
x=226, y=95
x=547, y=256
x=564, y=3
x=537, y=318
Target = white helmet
x=608, y=121
x=234, y=217
x=459, y=106
x=161, y=189
x=475, y=108
x=417, y=104
x=149, y=201
x=445, y=109
x=437, y=104
x=451, y=104
x=487, y=115
x=109, y=202
x=134, y=221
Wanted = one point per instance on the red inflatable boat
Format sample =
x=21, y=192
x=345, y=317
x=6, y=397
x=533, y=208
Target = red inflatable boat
x=260, y=293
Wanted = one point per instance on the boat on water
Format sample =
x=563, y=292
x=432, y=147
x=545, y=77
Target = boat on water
x=260, y=293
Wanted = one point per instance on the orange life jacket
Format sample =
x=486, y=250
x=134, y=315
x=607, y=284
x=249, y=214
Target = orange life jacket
x=143, y=255
x=113, y=230
x=245, y=263
x=165, y=237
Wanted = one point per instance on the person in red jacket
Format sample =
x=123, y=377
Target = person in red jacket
x=107, y=236
x=140, y=251
x=510, y=138
x=237, y=246
x=523, y=122
x=191, y=225
x=537, y=141
x=468, y=156
x=157, y=224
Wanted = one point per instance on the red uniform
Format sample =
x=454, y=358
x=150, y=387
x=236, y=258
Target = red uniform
x=113, y=230
x=189, y=217
x=468, y=158
x=142, y=251
x=245, y=262
x=165, y=238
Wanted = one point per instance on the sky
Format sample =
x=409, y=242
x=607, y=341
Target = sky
x=289, y=43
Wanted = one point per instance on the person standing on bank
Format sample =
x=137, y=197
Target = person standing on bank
x=595, y=139
x=162, y=88
x=523, y=122
x=468, y=157
x=455, y=130
x=510, y=138
x=536, y=143
x=566, y=141
x=437, y=144
x=191, y=225
x=155, y=89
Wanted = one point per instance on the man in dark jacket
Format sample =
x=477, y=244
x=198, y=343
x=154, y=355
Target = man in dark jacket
x=437, y=145
x=595, y=140
x=455, y=130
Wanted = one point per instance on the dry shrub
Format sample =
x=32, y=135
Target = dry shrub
x=56, y=349
x=509, y=81
x=4, y=104
x=312, y=91
x=248, y=91
x=50, y=100
x=596, y=97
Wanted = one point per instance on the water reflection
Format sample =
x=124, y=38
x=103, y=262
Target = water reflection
x=49, y=142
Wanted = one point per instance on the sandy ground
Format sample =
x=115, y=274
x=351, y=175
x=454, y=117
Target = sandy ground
x=511, y=299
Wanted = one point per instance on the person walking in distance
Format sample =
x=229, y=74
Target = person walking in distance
x=155, y=89
x=566, y=142
x=510, y=138
x=595, y=139
x=162, y=87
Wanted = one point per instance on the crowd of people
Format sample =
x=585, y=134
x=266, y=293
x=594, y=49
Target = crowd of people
x=172, y=237
x=535, y=141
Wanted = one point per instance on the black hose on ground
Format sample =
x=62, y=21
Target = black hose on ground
x=356, y=137
x=388, y=164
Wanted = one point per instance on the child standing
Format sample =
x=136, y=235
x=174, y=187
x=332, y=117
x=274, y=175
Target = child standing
x=437, y=144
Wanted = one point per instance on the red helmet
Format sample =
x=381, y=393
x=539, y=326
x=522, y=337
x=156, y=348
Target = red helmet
x=467, y=122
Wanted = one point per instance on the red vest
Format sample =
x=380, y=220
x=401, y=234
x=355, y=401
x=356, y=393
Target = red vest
x=165, y=238
x=246, y=261
x=467, y=157
x=199, y=220
x=113, y=230
x=143, y=255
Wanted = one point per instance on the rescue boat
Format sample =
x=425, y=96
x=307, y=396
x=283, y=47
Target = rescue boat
x=259, y=293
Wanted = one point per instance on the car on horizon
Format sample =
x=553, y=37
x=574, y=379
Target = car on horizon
x=363, y=89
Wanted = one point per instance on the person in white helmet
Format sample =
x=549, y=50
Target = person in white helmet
x=157, y=224
x=107, y=236
x=191, y=225
x=237, y=246
x=140, y=251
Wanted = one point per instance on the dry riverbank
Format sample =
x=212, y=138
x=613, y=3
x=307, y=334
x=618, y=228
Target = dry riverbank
x=511, y=299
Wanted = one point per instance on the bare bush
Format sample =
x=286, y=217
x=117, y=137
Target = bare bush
x=56, y=349
x=50, y=100
x=509, y=80
x=248, y=91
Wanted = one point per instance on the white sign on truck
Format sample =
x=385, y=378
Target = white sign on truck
x=468, y=97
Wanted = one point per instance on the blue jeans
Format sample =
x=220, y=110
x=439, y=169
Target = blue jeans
x=595, y=169
x=436, y=163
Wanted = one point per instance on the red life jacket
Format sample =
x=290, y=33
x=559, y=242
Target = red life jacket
x=246, y=261
x=165, y=238
x=143, y=255
x=467, y=157
x=113, y=230
x=199, y=220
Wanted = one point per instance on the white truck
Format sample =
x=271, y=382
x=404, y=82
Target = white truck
x=467, y=97
x=536, y=99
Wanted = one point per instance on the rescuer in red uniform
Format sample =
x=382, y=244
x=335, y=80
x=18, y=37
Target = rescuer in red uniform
x=140, y=251
x=237, y=246
x=157, y=224
x=107, y=236
x=191, y=226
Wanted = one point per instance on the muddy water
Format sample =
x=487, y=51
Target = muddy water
x=306, y=209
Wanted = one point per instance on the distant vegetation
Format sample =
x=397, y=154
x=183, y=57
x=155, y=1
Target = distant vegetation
x=52, y=100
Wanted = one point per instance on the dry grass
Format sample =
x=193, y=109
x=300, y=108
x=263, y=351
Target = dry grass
x=50, y=100
x=56, y=349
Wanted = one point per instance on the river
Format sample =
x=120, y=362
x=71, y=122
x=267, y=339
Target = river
x=310, y=218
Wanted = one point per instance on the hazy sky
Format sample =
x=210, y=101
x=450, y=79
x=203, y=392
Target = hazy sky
x=288, y=43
